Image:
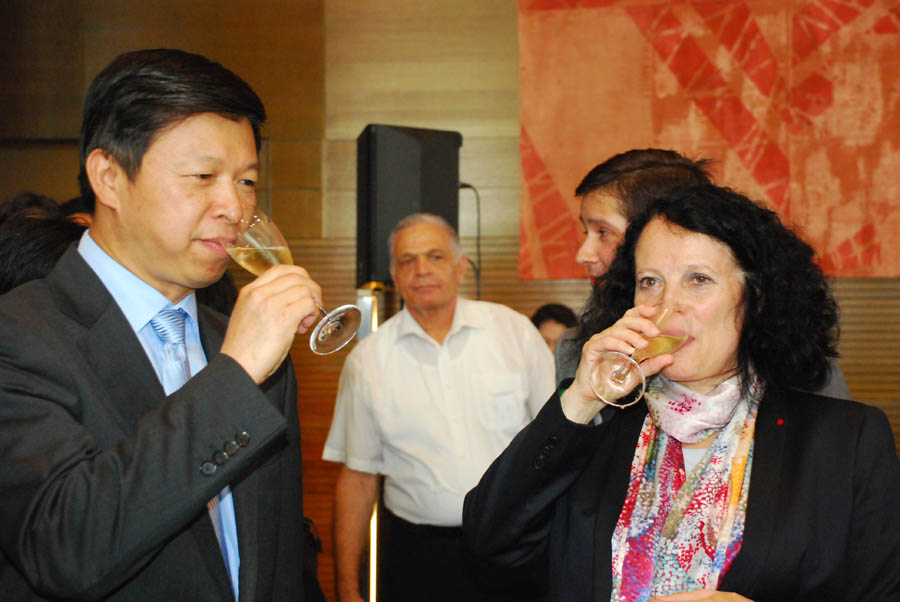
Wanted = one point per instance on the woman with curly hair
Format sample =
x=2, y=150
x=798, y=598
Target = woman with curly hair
x=728, y=481
x=612, y=194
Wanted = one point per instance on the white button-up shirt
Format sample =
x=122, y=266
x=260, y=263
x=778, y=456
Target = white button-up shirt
x=431, y=418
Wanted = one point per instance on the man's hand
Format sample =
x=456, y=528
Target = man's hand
x=701, y=594
x=268, y=313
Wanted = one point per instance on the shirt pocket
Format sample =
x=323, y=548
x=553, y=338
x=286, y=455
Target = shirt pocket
x=503, y=407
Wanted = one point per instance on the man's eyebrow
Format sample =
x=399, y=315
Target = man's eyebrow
x=216, y=161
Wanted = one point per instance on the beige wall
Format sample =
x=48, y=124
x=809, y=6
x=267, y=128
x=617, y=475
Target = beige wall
x=325, y=69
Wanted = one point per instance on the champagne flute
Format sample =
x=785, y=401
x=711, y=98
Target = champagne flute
x=260, y=245
x=617, y=374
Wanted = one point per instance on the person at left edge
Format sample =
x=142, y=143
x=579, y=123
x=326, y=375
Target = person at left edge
x=106, y=479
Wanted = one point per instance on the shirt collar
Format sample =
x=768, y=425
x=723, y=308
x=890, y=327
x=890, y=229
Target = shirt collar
x=138, y=300
x=466, y=315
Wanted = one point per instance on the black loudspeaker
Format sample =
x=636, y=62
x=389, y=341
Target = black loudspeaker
x=400, y=171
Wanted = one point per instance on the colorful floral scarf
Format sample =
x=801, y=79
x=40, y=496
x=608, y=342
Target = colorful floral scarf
x=681, y=532
x=687, y=415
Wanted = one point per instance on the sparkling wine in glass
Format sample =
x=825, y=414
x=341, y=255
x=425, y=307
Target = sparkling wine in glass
x=616, y=375
x=259, y=246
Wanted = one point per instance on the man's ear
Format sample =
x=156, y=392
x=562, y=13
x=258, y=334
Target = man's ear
x=106, y=177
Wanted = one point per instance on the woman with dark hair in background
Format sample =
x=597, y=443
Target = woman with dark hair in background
x=727, y=481
x=619, y=189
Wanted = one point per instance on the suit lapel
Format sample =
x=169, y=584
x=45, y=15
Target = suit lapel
x=762, y=505
x=123, y=367
x=108, y=344
x=244, y=491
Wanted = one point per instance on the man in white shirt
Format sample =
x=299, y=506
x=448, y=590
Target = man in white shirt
x=428, y=401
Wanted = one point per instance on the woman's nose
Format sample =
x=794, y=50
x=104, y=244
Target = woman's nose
x=587, y=253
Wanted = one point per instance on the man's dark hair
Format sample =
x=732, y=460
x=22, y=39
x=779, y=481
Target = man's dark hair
x=638, y=176
x=556, y=312
x=141, y=93
x=790, y=324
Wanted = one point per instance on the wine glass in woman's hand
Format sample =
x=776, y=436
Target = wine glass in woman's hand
x=617, y=374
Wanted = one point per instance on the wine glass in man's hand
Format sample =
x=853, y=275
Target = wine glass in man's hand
x=260, y=245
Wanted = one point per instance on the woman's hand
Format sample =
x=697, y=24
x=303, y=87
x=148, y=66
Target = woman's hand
x=701, y=594
x=630, y=332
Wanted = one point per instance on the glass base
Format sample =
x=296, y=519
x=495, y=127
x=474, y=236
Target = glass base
x=335, y=330
x=617, y=380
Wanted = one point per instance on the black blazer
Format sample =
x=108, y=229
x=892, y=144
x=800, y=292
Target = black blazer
x=102, y=491
x=822, y=520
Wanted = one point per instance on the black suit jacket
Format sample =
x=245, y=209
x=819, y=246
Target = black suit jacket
x=102, y=495
x=822, y=520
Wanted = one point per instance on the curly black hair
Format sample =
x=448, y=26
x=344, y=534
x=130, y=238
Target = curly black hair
x=790, y=326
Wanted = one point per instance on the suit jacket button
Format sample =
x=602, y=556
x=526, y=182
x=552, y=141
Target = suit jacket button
x=220, y=457
x=539, y=463
x=231, y=447
x=552, y=441
x=243, y=438
x=208, y=468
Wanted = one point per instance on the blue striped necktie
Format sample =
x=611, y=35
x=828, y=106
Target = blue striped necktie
x=169, y=327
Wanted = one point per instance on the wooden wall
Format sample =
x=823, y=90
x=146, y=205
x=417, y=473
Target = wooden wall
x=325, y=70
x=52, y=51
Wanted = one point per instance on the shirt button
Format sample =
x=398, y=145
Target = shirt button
x=208, y=468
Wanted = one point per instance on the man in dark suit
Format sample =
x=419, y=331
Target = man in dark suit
x=139, y=466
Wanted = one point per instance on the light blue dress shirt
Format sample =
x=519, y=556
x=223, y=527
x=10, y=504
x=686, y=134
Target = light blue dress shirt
x=140, y=302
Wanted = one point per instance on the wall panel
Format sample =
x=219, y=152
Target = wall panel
x=42, y=69
x=48, y=168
